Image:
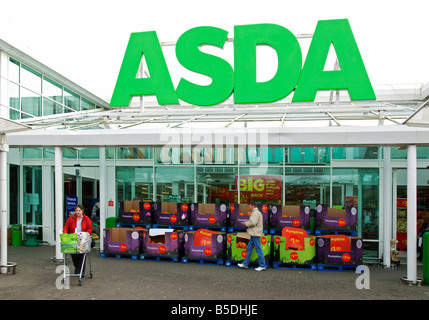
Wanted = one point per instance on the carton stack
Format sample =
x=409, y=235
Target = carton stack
x=332, y=219
x=294, y=248
x=134, y=213
x=172, y=214
x=204, y=246
x=240, y=213
x=123, y=242
x=339, y=250
x=209, y=215
x=162, y=243
x=236, y=248
x=289, y=216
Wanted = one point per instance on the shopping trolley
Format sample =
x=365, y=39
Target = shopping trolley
x=76, y=243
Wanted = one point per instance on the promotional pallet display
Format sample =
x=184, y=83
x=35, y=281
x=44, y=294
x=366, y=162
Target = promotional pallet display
x=225, y=241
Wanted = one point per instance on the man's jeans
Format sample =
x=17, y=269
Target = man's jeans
x=255, y=242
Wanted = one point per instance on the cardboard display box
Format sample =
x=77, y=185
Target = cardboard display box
x=209, y=214
x=123, y=241
x=172, y=213
x=336, y=219
x=135, y=212
x=290, y=216
x=294, y=247
x=211, y=247
x=163, y=242
x=339, y=250
x=240, y=213
x=236, y=247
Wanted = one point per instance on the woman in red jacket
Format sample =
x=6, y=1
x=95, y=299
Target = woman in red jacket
x=79, y=222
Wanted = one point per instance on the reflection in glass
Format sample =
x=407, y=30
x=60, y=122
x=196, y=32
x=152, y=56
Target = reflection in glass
x=52, y=90
x=71, y=100
x=31, y=79
x=31, y=103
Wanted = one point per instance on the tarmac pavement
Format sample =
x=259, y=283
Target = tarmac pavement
x=38, y=277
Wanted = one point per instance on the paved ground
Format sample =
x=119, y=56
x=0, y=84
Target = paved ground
x=37, y=278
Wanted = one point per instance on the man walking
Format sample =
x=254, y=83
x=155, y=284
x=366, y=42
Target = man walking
x=255, y=230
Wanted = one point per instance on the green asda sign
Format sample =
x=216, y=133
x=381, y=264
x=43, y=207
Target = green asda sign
x=291, y=74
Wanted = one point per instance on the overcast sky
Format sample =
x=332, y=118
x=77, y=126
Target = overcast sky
x=85, y=40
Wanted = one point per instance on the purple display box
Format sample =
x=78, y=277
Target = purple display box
x=123, y=241
x=209, y=214
x=336, y=219
x=328, y=257
x=172, y=213
x=290, y=216
x=143, y=215
x=240, y=213
x=163, y=242
x=215, y=251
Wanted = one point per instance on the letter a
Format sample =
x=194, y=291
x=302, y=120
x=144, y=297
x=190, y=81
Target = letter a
x=352, y=76
x=159, y=83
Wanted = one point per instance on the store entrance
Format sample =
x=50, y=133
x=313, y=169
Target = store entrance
x=83, y=183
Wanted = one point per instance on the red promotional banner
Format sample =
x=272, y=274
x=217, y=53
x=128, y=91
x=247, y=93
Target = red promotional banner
x=294, y=238
x=261, y=187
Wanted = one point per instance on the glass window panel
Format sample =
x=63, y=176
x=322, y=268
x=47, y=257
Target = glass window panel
x=14, y=194
x=32, y=153
x=263, y=156
x=87, y=105
x=307, y=184
x=13, y=70
x=33, y=195
x=311, y=155
x=134, y=183
x=49, y=153
x=89, y=153
x=69, y=153
x=362, y=187
x=50, y=107
x=14, y=100
x=52, y=90
x=110, y=153
x=174, y=184
x=349, y=153
x=71, y=100
x=216, y=184
x=31, y=79
x=31, y=103
x=134, y=153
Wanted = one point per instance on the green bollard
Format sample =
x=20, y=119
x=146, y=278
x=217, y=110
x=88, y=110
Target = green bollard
x=426, y=257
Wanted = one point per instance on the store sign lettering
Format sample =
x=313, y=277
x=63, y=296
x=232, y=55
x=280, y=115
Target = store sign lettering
x=305, y=80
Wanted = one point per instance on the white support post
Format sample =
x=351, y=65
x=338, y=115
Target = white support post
x=387, y=206
x=59, y=202
x=103, y=193
x=412, y=214
x=4, y=148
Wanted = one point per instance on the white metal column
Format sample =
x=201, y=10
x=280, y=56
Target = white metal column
x=387, y=207
x=59, y=212
x=103, y=194
x=4, y=148
x=412, y=214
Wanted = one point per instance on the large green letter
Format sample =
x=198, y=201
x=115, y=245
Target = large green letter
x=246, y=38
x=159, y=83
x=220, y=71
x=352, y=75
